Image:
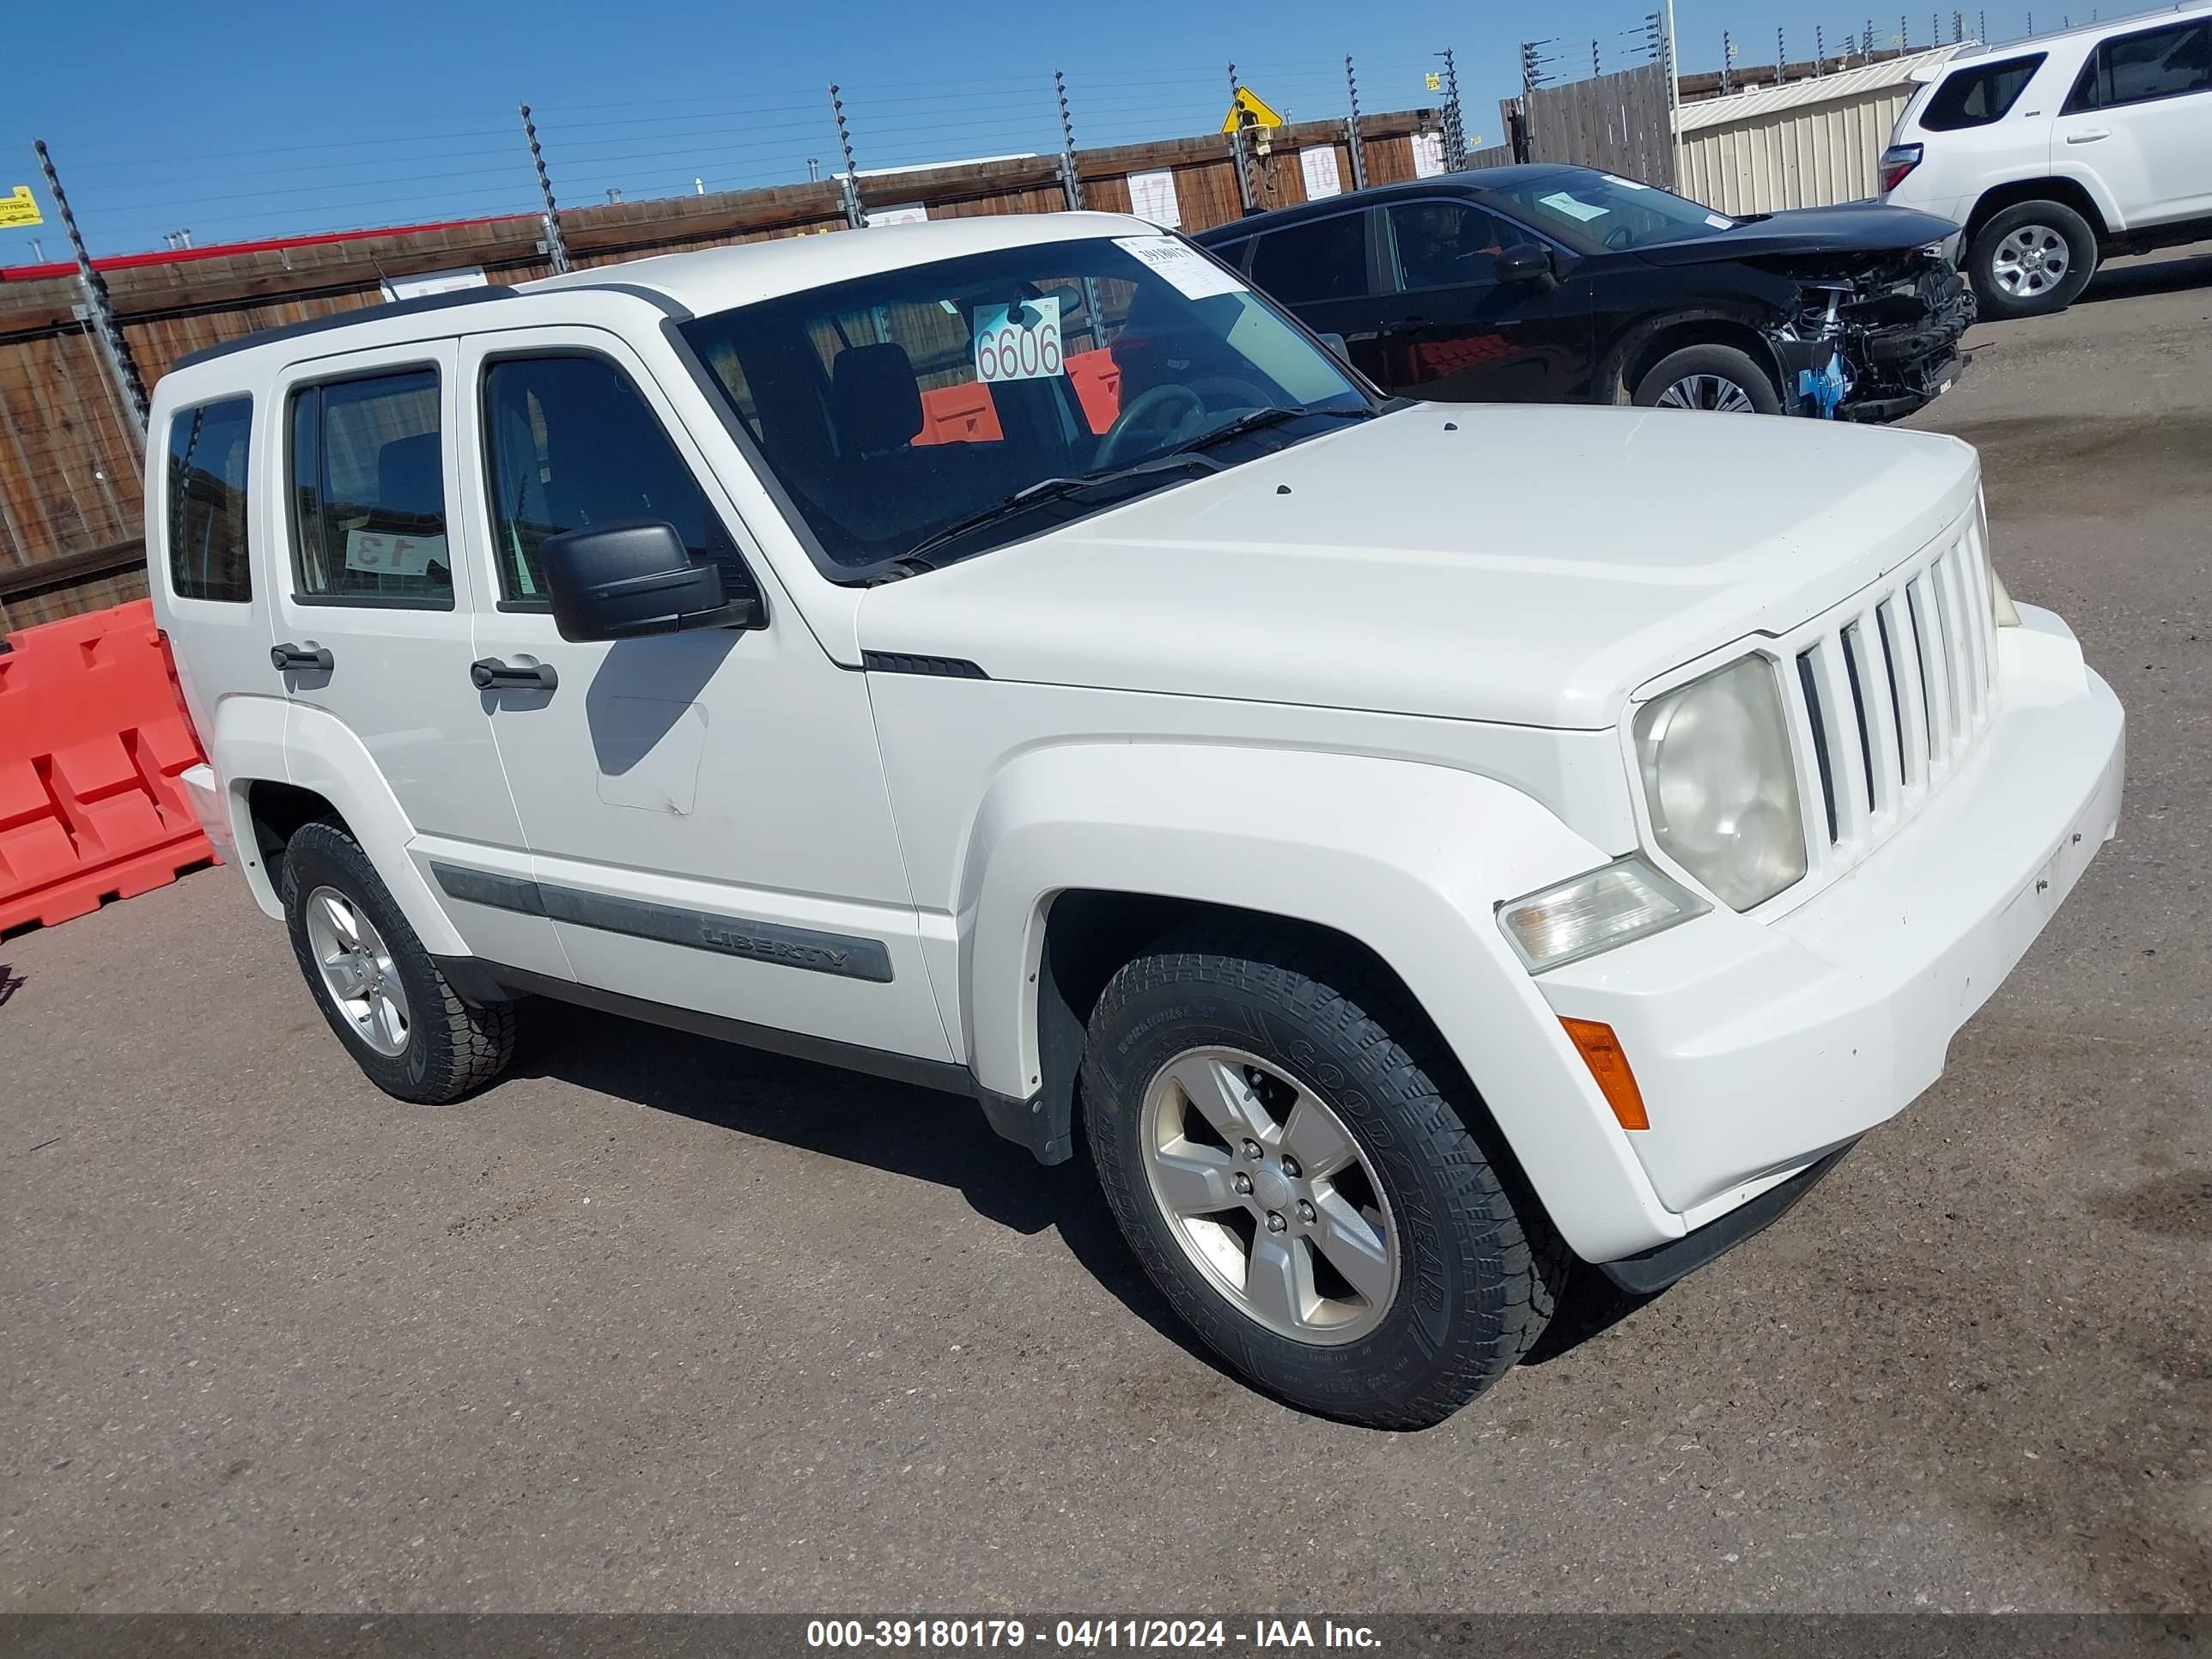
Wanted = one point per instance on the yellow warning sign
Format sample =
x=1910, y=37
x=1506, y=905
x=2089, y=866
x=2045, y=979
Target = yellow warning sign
x=1248, y=111
x=18, y=208
x=1435, y=82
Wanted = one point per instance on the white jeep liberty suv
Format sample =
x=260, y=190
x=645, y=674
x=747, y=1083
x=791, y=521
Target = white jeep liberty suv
x=1416, y=846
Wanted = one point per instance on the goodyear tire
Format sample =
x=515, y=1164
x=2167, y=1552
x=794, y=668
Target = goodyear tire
x=1304, y=1172
x=410, y=1032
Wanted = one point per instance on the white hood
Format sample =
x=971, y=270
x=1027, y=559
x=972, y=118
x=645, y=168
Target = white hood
x=1528, y=564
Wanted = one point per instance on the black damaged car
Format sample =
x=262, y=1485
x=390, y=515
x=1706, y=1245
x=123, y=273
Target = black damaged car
x=1559, y=285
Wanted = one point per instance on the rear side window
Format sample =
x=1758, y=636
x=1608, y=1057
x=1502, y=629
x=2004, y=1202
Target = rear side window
x=572, y=446
x=2135, y=68
x=1321, y=259
x=208, y=557
x=368, y=493
x=1975, y=97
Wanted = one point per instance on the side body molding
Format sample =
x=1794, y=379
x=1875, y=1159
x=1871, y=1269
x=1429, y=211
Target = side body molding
x=1409, y=858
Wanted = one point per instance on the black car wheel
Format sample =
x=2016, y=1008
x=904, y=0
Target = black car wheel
x=1717, y=378
x=2031, y=260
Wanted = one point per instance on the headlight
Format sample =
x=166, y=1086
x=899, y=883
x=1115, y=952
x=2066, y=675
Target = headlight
x=1719, y=781
x=1595, y=912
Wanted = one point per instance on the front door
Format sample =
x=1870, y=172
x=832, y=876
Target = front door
x=706, y=812
x=372, y=623
x=2140, y=117
x=1452, y=331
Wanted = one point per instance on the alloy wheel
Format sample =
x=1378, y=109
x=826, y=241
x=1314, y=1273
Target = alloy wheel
x=357, y=970
x=2031, y=262
x=1270, y=1196
x=1713, y=392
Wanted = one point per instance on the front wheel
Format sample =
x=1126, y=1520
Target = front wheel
x=1296, y=1162
x=1717, y=378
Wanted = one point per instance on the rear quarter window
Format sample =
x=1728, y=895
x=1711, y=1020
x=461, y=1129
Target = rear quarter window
x=1977, y=96
x=206, y=525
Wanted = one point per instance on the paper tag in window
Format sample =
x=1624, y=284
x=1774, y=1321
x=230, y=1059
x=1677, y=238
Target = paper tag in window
x=1559, y=202
x=1190, y=272
x=1626, y=184
x=382, y=554
x=1023, y=346
x=1718, y=223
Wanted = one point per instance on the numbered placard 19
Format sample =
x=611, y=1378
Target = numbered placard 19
x=1019, y=342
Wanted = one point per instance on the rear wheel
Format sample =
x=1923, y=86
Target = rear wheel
x=1715, y=379
x=2031, y=260
x=1296, y=1163
x=413, y=1035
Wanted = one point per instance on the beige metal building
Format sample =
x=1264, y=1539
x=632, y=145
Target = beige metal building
x=1804, y=143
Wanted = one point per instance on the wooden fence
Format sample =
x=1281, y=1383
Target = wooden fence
x=70, y=469
x=1618, y=121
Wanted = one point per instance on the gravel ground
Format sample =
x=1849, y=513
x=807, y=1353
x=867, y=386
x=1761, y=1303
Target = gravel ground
x=660, y=1324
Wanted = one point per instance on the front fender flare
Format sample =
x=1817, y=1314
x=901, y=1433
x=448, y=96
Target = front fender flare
x=1410, y=860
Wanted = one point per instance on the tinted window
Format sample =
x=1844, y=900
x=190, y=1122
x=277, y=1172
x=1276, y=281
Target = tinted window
x=1975, y=97
x=1592, y=211
x=2157, y=63
x=1322, y=259
x=1448, y=244
x=207, y=501
x=368, y=491
x=571, y=445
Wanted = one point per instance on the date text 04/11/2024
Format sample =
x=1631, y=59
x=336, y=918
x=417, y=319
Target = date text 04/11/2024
x=1086, y=1634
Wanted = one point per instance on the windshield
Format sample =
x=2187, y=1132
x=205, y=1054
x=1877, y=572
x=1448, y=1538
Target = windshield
x=905, y=412
x=1593, y=211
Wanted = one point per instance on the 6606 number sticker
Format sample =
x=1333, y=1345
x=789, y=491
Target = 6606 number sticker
x=1019, y=342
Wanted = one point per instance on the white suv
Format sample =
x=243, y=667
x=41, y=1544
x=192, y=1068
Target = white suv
x=2057, y=152
x=1415, y=846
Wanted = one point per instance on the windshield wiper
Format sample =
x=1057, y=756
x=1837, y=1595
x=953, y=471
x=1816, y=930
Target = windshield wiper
x=1252, y=420
x=1046, y=490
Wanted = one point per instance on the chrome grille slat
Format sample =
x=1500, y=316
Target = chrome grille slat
x=1886, y=696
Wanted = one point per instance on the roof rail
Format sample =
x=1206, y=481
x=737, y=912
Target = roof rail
x=459, y=296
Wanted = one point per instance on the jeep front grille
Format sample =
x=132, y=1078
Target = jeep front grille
x=1891, y=692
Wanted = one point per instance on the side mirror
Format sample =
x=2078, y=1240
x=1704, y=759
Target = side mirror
x=1526, y=262
x=1336, y=346
x=619, y=582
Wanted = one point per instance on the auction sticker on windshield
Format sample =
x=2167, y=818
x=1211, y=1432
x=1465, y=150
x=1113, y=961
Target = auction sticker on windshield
x=1559, y=202
x=1023, y=346
x=1192, y=274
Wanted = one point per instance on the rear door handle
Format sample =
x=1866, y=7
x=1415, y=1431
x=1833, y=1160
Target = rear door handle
x=2087, y=136
x=293, y=658
x=491, y=674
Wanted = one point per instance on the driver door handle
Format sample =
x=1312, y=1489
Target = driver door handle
x=292, y=659
x=491, y=674
x=2087, y=136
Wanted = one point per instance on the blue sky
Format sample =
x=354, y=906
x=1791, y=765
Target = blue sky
x=254, y=119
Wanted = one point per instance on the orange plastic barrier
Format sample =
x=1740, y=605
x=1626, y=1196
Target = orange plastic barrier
x=92, y=735
x=964, y=414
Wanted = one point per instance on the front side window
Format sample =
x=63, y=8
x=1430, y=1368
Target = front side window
x=1601, y=211
x=1448, y=244
x=1320, y=259
x=571, y=445
x=937, y=411
x=369, y=492
x=208, y=453
x=1975, y=97
x=2156, y=64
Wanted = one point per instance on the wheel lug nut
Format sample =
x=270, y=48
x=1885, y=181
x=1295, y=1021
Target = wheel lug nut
x=1305, y=1211
x=1251, y=1148
x=1275, y=1223
x=1289, y=1166
x=1244, y=1184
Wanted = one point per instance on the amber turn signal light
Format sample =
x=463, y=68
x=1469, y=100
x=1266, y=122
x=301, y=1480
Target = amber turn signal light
x=1600, y=1051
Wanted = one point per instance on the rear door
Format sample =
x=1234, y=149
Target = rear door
x=1453, y=331
x=372, y=611
x=2140, y=116
x=1325, y=270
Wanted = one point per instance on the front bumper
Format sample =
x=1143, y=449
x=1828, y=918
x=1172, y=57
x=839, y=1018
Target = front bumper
x=1760, y=1047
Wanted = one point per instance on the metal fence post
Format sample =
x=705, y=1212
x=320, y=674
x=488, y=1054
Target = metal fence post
x=1455, y=118
x=1354, y=143
x=98, y=308
x=556, y=248
x=849, y=180
x=1237, y=149
x=1071, y=177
